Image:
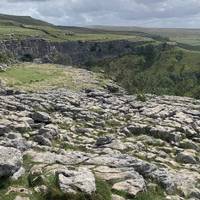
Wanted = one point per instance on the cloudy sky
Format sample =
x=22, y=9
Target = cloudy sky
x=148, y=13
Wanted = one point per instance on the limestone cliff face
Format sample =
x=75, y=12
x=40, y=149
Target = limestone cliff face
x=79, y=52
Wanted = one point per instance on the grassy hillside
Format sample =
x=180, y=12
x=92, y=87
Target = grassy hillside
x=55, y=34
x=38, y=77
x=167, y=70
x=172, y=71
x=20, y=27
x=93, y=30
x=180, y=35
x=22, y=20
x=81, y=30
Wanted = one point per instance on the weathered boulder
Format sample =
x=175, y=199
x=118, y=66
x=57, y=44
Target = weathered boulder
x=117, y=197
x=186, y=157
x=40, y=139
x=131, y=186
x=41, y=117
x=66, y=158
x=71, y=181
x=3, y=129
x=188, y=144
x=10, y=161
x=101, y=141
x=50, y=131
x=18, y=143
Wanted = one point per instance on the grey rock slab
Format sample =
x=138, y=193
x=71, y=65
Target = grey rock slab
x=163, y=176
x=10, y=161
x=41, y=140
x=108, y=173
x=51, y=129
x=131, y=186
x=101, y=141
x=117, y=197
x=18, y=174
x=166, y=179
x=187, y=182
x=67, y=158
x=71, y=181
x=3, y=129
x=42, y=117
x=21, y=127
x=18, y=143
x=189, y=144
x=186, y=157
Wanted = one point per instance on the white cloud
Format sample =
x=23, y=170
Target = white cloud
x=165, y=13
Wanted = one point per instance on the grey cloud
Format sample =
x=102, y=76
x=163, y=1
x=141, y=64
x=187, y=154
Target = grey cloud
x=163, y=13
x=14, y=1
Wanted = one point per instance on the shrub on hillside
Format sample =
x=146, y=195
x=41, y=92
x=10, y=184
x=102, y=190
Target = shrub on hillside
x=141, y=97
x=150, y=53
x=59, y=58
x=6, y=57
x=172, y=71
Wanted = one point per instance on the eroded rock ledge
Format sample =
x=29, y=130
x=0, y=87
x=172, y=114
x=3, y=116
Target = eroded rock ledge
x=77, y=52
x=79, y=138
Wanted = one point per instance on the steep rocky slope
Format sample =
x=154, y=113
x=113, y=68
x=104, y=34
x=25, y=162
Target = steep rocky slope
x=98, y=144
x=171, y=71
x=74, y=52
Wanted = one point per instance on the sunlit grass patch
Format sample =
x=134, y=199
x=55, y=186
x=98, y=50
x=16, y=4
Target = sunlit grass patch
x=38, y=77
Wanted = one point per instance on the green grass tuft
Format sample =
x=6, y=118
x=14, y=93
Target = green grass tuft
x=103, y=192
x=152, y=194
x=37, y=77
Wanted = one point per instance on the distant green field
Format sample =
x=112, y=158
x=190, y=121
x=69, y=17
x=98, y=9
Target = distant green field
x=55, y=34
x=19, y=27
x=191, y=40
x=9, y=32
x=181, y=35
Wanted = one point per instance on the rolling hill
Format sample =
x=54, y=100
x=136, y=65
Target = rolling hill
x=174, y=69
x=24, y=26
x=179, y=35
x=27, y=20
x=21, y=27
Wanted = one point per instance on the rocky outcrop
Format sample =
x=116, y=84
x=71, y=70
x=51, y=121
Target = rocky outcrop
x=77, y=52
x=10, y=161
x=78, y=138
x=71, y=181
